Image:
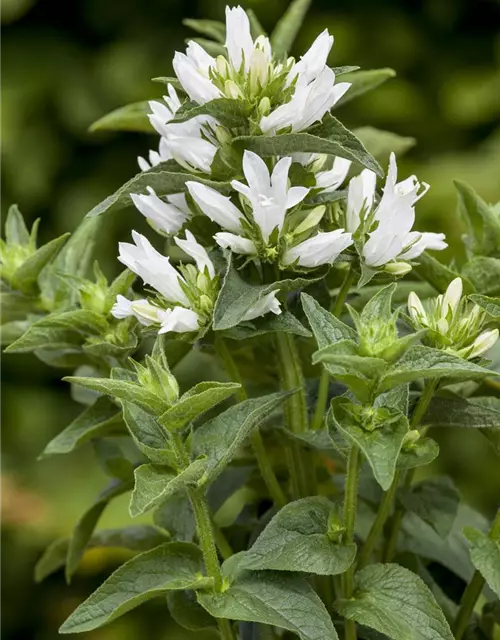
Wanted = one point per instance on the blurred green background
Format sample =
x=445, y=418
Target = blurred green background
x=65, y=65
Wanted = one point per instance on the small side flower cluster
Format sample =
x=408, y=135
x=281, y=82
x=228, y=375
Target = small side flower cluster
x=453, y=324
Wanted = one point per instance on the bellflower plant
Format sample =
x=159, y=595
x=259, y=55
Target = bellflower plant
x=313, y=430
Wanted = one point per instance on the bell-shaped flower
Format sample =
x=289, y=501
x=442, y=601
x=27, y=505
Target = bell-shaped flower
x=168, y=216
x=193, y=71
x=155, y=157
x=308, y=104
x=452, y=323
x=312, y=62
x=323, y=248
x=327, y=180
x=268, y=303
x=384, y=230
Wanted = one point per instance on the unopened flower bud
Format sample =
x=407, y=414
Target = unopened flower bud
x=397, y=269
x=222, y=66
x=265, y=106
x=318, y=163
x=206, y=304
x=223, y=136
x=483, y=343
x=232, y=90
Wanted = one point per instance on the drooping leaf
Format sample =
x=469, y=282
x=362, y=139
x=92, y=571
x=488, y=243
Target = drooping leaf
x=424, y=362
x=85, y=527
x=186, y=611
x=285, y=32
x=131, y=117
x=195, y=402
x=364, y=81
x=220, y=438
x=176, y=516
x=435, y=501
x=101, y=418
x=275, y=598
x=396, y=602
x=326, y=327
x=174, y=565
x=381, y=445
x=417, y=454
x=382, y=143
x=484, y=273
x=483, y=226
x=485, y=556
x=330, y=137
x=286, y=322
x=297, y=539
x=460, y=412
x=154, y=484
x=165, y=178
x=137, y=538
x=26, y=276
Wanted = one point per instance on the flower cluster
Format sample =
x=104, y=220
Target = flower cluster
x=453, y=324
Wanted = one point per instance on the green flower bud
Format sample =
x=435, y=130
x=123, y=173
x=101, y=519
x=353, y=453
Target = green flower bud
x=397, y=269
x=158, y=380
x=265, y=106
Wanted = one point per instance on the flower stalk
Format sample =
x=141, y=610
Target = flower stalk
x=350, y=507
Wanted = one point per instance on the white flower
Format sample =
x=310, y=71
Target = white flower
x=199, y=254
x=164, y=216
x=239, y=42
x=192, y=69
x=144, y=260
x=146, y=313
x=326, y=180
x=313, y=61
x=323, y=248
x=268, y=194
x=388, y=224
x=155, y=157
x=163, y=112
x=193, y=143
x=235, y=243
x=178, y=320
x=483, y=343
x=308, y=104
x=263, y=306
x=217, y=207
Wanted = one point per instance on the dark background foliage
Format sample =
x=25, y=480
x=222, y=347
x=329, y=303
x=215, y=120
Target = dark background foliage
x=65, y=65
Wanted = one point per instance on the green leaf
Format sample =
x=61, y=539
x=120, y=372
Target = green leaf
x=149, y=436
x=26, y=276
x=211, y=28
x=483, y=226
x=286, y=322
x=16, y=231
x=12, y=331
x=186, y=611
x=381, y=445
x=435, y=501
x=490, y=305
x=137, y=538
x=195, y=402
x=297, y=539
x=330, y=136
x=396, y=398
x=131, y=117
x=395, y=602
x=287, y=28
x=236, y=296
x=485, y=556
x=460, y=412
x=124, y=390
x=42, y=334
x=326, y=327
x=102, y=418
x=417, y=454
x=165, y=178
x=275, y=598
x=220, y=438
x=87, y=523
x=484, y=273
x=382, y=143
x=424, y=362
x=364, y=81
x=379, y=308
x=176, y=516
x=438, y=274
x=175, y=565
x=231, y=113
x=154, y=484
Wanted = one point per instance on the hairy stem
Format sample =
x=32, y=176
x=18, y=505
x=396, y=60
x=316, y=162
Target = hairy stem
x=418, y=414
x=204, y=531
x=324, y=381
x=259, y=448
x=350, y=507
x=473, y=590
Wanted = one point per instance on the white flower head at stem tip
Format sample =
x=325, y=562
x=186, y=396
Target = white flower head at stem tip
x=483, y=343
x=164, y=216
x=323, y=248
x=266, y=304
x=178, y=320
x=199, y=254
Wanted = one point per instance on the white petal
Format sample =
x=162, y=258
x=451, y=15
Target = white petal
x=313, y=61
x=432, y=241
x=263, y=306
x=217, y=207
x=122, y=307
x=202, y=60
x=484, y=342
x=239, y=42
x=256, y=173
x=323, y=248
x=416, y=308
x=198, y=87
x=199, y=254
x=360, y=196
x=193, y=152
x=295, y=195
x=178, y=320
x=453, y=294
x=235, y=243
x=163, y=215
x=332, y=179
x=143, y=164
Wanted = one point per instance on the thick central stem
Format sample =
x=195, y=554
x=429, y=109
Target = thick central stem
x=350, y=507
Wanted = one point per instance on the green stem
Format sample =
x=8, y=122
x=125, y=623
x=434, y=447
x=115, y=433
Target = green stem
x=418, y=414
x=302, y=478
x=259, y=448
x=205, y=532
x=379, y=522
x=473, y=590
x=324, y=381
x=350, y=507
